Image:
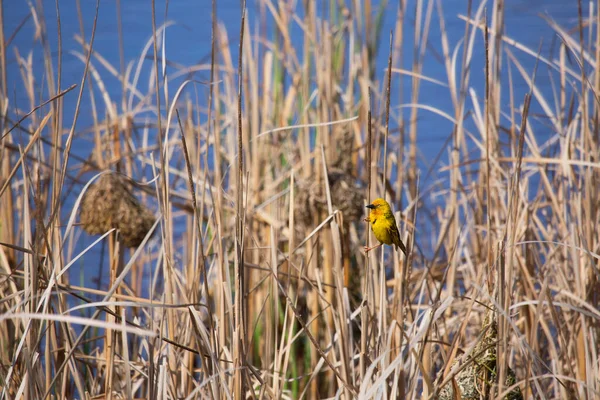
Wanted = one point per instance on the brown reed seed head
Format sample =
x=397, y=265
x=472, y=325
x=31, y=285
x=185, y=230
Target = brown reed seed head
x=345, y=196
x=109, y=203
x=345, y=154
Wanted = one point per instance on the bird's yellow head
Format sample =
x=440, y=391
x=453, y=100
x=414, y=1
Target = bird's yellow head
x=379, y=208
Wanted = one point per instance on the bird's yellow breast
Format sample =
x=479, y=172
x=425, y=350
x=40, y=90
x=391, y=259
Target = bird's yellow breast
x=382, y=230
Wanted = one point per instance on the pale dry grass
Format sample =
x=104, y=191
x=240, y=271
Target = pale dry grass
x=251, y=281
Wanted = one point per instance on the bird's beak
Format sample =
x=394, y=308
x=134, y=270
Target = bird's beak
x=371, y=206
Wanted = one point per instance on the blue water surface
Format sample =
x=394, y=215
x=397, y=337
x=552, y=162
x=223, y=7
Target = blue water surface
x=189, y=42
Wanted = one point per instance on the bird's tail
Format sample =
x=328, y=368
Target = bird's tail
x=402, y=247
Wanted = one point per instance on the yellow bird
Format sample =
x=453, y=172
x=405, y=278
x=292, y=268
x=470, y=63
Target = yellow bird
x=384, y=225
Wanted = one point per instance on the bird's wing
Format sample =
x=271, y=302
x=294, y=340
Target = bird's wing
x=395, y=235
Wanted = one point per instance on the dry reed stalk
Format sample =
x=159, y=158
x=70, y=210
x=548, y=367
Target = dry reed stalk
x=6, y=202
x=313, y=250
x=111, y=336
x=210, y=362
x=365, y=312
x=163, y=193
x=239, y=348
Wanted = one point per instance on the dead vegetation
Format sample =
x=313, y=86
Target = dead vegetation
x=109, y=204
x=242, y=205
